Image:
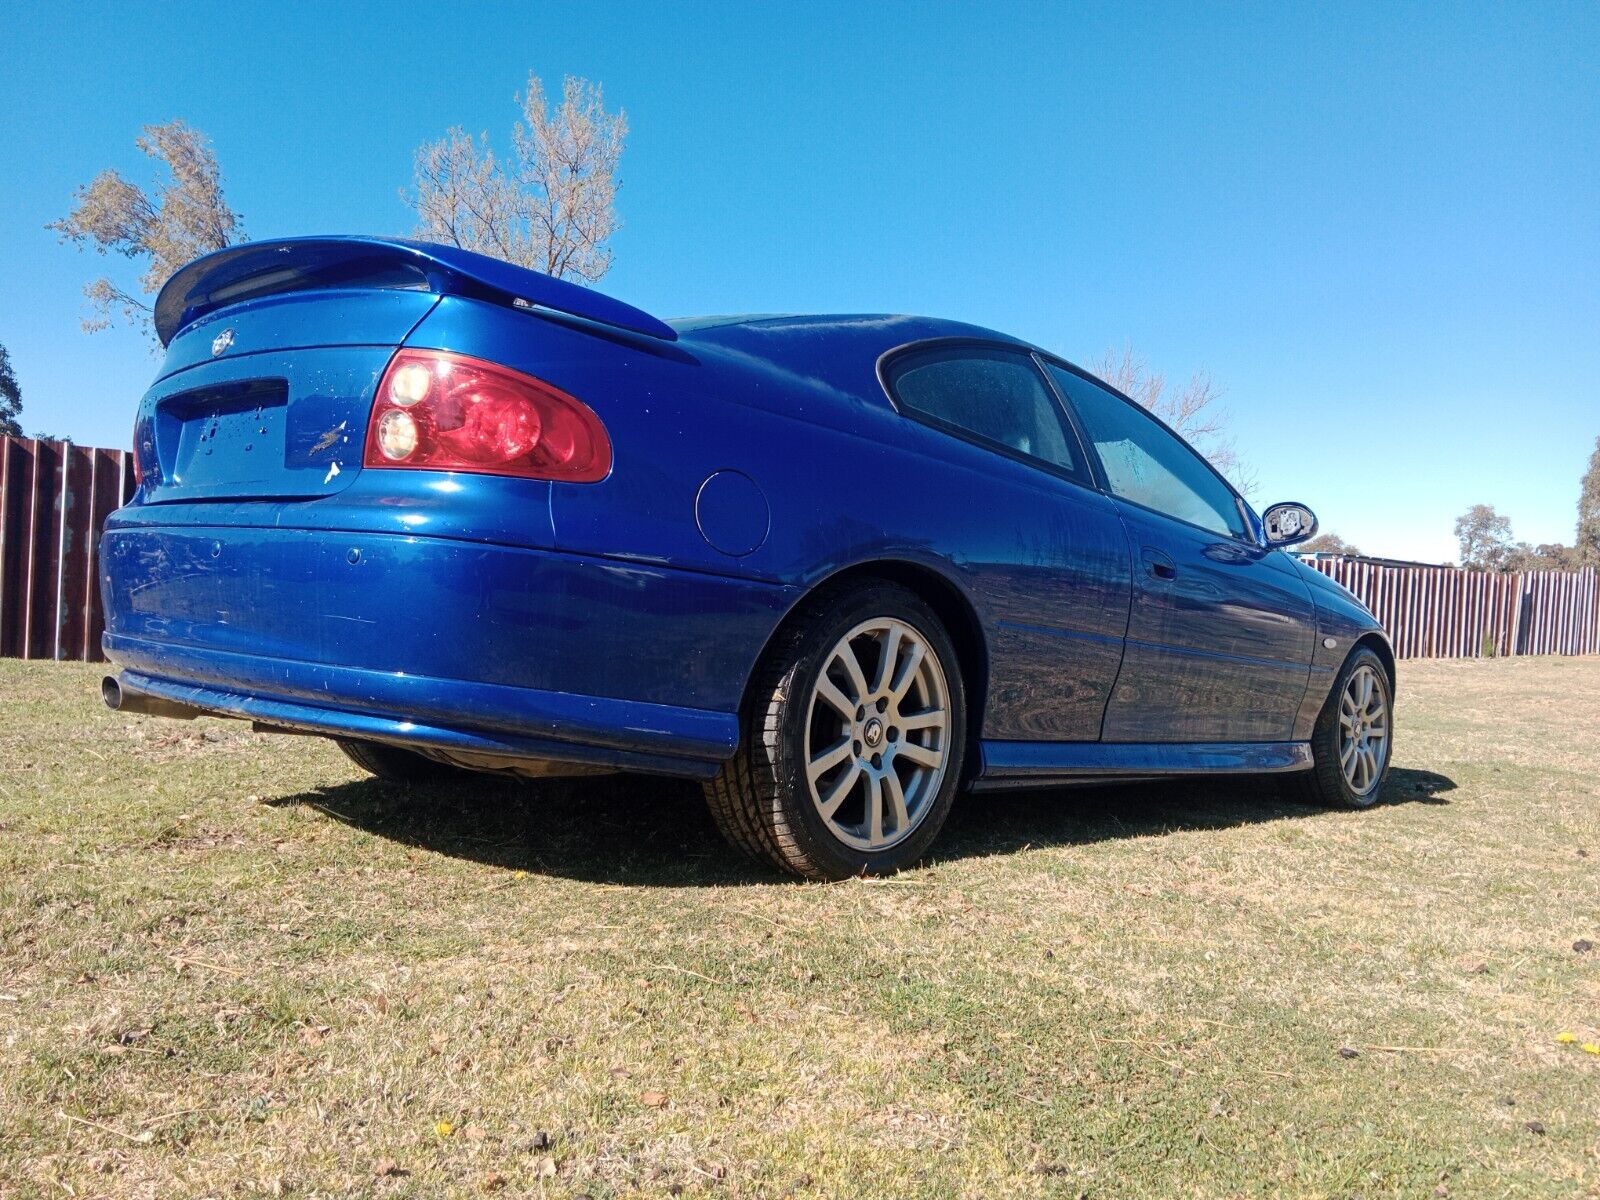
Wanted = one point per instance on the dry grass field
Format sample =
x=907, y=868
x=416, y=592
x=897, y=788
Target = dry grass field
x=230, y=967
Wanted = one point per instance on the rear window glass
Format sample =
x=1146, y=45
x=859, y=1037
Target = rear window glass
x=994, y=396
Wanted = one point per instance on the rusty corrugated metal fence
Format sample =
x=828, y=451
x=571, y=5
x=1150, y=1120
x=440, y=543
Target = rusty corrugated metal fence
x=1444, y=612
x=54, y=497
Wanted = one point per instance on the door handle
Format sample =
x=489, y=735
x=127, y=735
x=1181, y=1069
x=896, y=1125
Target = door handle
x=1159, y=563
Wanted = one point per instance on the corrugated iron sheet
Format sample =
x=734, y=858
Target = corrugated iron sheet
x=1444, y=612
x=54, y=499
x=55, y=496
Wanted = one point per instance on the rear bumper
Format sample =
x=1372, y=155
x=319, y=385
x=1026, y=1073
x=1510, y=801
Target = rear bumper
x=655, y=738
x=438, y=643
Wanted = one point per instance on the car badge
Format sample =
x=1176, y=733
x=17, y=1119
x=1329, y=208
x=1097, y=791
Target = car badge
x=221, y=342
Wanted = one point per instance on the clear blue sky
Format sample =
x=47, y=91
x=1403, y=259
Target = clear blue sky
x=1377, y=226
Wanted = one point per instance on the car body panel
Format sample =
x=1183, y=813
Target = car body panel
x=1219, y=649
x=1051, y=578
x=254, y=691
x=438, y=608
x=1342, y=620
x=306, y=265
x=755, y=460
x=1010, y=764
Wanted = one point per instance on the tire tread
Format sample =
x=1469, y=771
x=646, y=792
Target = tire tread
x=746, y=797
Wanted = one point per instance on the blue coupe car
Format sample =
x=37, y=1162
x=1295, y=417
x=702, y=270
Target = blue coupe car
x=461, y=516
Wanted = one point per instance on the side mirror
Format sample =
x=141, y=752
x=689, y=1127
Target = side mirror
x=1289, y=523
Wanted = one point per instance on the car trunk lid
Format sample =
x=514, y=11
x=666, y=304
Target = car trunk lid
x=275, y=351
x=269, y=399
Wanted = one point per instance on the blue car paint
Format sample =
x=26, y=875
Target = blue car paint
x=299, y=264
x=1013, y=764
x=1342, y=620
x=1220, y=650
x=619, y=622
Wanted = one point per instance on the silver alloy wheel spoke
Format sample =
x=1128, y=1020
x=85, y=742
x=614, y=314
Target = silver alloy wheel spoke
x=888, y=659
x=923, y=756
x=1363, y=730
x=874, y=821
x=876, y=752
x=829, y=691
x=896, y=795
x=829, y=758
x=841, y=789
x=846, y=657
x=908, y=670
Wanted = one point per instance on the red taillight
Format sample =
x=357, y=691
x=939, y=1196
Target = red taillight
x=138, y=452
x=448, y=412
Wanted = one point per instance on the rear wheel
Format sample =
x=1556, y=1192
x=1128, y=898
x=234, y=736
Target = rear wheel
x=1353, y=738
x=394, y=765
x=853, y=739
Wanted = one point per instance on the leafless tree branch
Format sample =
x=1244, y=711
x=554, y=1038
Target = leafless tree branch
x=1192, y=410
x=179, y=221
x=553, y=208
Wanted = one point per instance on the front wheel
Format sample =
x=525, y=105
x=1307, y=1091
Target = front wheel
x=1354, y=737
x=853, y=739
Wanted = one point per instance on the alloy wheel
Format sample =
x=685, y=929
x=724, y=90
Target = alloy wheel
x=1363, y=730
x=877, y=734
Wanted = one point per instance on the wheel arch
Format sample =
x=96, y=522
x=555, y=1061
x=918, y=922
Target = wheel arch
x=1375, y=641
x=940, y=593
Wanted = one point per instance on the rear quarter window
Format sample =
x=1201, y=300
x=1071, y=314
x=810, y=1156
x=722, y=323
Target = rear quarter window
x=987, y=395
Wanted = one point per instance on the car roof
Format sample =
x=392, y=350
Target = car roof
x=839, y=351
x=901, y=327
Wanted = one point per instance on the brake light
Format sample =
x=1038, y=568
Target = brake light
x=449, y=412
x=140, y=441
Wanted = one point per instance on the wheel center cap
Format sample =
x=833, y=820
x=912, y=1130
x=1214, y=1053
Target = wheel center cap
x=872, y=734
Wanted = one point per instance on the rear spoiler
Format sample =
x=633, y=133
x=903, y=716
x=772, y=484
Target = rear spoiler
x=295, y=264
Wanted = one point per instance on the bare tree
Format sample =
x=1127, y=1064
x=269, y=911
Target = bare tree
x=1192, y=409
x=10, y=398
x=1485, y=538
x=552, y=208
x=179, y=221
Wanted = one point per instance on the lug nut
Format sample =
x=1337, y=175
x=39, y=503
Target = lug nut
x=877, y=760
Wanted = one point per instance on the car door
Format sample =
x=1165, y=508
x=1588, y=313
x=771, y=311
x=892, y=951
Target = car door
x=1221, y=633
x=1044, y=554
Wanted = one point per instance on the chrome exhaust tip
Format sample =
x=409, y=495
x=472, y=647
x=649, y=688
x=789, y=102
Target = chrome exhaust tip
x=119, y=700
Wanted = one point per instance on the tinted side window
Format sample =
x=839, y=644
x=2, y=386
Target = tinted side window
x=1145, y=463
x=996, y=395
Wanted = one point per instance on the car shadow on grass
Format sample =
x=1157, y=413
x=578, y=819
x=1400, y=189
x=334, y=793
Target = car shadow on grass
x=658, y=832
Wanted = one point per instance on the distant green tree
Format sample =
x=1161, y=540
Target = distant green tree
x=1485, y=538
x=10, y=398
x=1587, y=547
x=1547, y=556
x=1327, y=543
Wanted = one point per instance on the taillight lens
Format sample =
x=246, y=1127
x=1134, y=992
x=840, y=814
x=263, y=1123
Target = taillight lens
x=142, y=445
x=449, y=412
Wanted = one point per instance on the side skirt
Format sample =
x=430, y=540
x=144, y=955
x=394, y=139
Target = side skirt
x=1030, y=764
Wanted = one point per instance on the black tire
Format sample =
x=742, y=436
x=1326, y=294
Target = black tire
x=1325, y=784
x=394, y=765
x=762, y=799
